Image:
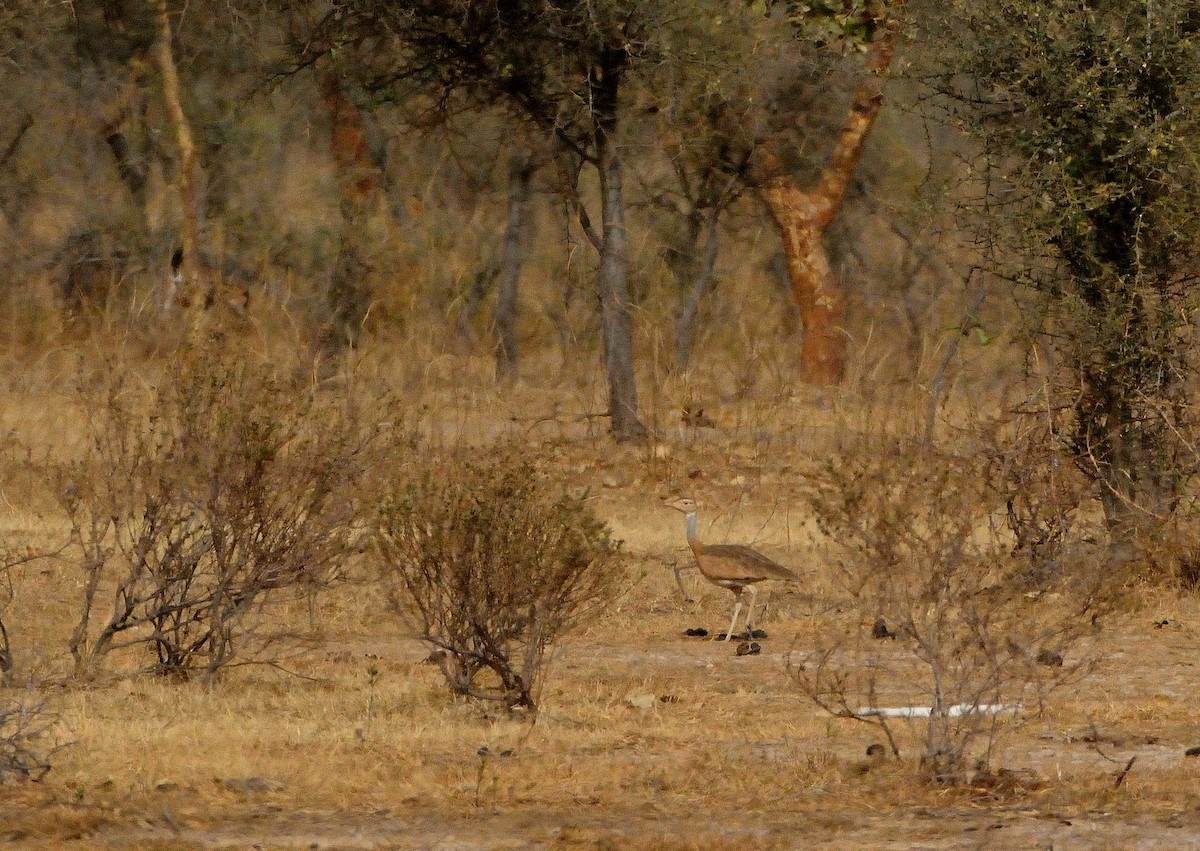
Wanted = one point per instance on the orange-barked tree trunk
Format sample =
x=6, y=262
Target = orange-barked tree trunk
x=360, y=182
x=803, y=215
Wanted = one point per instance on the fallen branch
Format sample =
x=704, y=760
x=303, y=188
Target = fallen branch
x=1121, y=777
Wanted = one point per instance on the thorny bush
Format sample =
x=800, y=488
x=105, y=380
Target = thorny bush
x=489, y=569
x=197, y=501
x=950, y=618
x=28, y=739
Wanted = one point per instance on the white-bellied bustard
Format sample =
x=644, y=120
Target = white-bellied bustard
x=731, y=566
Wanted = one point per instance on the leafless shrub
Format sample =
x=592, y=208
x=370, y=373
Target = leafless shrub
x=1186, y=565
x=197, y=500
x=489, y=569
x=6, y=658
x=1171, y=557
x=10, y=557
x=27, y=740
x=945, y=624
x=6, y=595
x=1042, y=493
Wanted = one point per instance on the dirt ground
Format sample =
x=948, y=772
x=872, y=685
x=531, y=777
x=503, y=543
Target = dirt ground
x=647, y=738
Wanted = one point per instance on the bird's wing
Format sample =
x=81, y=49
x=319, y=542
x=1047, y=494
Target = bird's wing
x=748, y=563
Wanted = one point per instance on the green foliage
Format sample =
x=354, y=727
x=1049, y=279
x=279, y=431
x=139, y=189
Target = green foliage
x=1087, y=115
x=490, y=569
x=1097, y=103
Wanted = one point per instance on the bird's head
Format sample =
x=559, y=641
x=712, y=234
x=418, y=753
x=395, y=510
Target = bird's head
x=682, y=503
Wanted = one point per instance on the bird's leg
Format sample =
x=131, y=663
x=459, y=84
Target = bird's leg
x=750, y=611
x=737, y=607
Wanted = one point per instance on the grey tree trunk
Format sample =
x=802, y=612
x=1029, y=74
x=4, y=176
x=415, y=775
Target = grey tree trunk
x=613, y=276
x=520, y=172
x=702, y=281
x=481, y=285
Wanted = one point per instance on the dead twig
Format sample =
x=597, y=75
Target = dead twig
x=1121, y=776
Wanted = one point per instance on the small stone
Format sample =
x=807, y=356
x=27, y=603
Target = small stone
x=880, y=630
x=642, y=701
x=250, y=785
x=1192, y=752
x=696, y=632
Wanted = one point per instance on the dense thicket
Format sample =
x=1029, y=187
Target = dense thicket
x=1087, y=116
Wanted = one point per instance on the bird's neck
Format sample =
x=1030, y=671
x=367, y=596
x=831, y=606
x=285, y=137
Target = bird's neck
x=693, y=537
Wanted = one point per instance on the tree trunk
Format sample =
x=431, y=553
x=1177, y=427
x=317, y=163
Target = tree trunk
x=1134, y=457
x=113, y=42
x=701, y=283
x=520, y=172
x=802, y=217
x=114, y=47
x=481, y=285
x=188, y=274
x=116, y=106
x=359, y=186
x=692, y=250
x=613, y=276
x=358, y=172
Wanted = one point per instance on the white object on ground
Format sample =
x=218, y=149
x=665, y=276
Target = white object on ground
x=955, y=711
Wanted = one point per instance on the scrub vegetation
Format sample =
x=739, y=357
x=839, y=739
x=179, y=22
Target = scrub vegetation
x=350, y=353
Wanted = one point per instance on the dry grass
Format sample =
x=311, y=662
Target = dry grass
x=358, y=745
